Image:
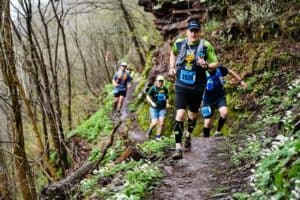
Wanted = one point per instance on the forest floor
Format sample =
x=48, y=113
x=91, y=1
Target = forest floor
x=204, y=173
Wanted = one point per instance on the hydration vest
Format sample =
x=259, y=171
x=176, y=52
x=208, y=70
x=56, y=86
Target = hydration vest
x=121, y=77
x=215, y=80
x=188, y=76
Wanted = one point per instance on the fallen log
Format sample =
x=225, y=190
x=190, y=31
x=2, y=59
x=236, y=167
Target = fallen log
x=58, y=190
x=131, y=152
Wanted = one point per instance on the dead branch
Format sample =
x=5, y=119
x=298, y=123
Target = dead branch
x=58, y=190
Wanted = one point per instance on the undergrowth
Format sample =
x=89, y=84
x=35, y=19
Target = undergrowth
x=127, y=180
x=99, y=123
x=275, y=146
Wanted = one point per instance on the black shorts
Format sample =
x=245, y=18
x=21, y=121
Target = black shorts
x=120, y=93
x=216, y=104
x=188, y=98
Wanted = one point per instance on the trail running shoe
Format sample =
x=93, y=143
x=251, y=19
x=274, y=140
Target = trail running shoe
x=187, y=144
x=177, y=155
x=157, y=137
x=218, y=134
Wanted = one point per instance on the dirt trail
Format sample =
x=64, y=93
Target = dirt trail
x=135, y=133
x=197, y=175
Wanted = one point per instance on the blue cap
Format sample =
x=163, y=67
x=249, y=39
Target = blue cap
x=194, y=25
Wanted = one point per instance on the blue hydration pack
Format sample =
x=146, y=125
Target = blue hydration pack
x=214, y=81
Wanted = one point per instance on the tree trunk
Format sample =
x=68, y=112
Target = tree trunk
x=5, y=190
x=8, y=69
x=84, y=63
x=131, y=27
x=61, y=27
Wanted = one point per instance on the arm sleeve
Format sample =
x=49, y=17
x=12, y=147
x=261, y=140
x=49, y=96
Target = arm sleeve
x=210, y=51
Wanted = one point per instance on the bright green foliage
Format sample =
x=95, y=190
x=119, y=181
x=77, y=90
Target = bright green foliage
x=278, y=170
x=275, y=175
x=138, y=177
x=111, y=171
x=95, y=154
x=88, y=185
x=143, y=116
x=140, y=180
x=100, y=122
x=157, y=147
x=251, y=151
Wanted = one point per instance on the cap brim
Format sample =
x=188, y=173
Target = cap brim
x=194, y=28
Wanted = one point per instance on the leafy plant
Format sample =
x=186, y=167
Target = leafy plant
x=100, y=121
x=140, y=179
x=274, y=175
x=157, y=147
x=251, y=151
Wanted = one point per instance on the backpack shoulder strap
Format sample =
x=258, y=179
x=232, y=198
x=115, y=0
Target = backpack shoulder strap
x=201, y=51
x=182, y=52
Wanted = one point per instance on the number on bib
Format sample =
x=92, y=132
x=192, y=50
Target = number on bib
x=187, y=77
x=206, y=111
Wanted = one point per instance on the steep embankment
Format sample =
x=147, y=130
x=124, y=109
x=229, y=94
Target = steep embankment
x=262, y=146
x=261, y=42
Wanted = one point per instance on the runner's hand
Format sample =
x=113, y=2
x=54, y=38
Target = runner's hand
x=243, y=84
x=202, y=63
x=172, y=71
x=168, y=105
x=153, y=104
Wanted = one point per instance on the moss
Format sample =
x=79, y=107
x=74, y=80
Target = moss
x=143, y=117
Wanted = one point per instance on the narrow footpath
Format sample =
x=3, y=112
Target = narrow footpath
x=202, y=174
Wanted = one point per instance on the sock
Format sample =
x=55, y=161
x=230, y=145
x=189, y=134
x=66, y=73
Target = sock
x=149, y=132
x=191, y=126
x=206, y=132
x=178, y=129
x=221, y=123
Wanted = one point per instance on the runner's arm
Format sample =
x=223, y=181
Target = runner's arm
x=212, y=60
x=150, y=101
x=237, y=77
x=114, y=82
x=172, y=69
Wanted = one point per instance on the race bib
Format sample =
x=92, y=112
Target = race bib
x=188, y=77
x=116, y=90
x=206, y=111
x=161, y=97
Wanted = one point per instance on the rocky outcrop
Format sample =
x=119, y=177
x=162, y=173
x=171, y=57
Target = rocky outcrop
x=171, y=20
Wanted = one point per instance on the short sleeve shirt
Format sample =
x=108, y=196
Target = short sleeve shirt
x=159, y=96
x=122, y=78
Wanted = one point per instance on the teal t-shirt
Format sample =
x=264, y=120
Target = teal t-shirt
x=159, y=96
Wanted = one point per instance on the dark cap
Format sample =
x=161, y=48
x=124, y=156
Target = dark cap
x=194, y=25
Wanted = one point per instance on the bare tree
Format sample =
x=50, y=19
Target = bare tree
x=8, y=69
x=132, y=30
